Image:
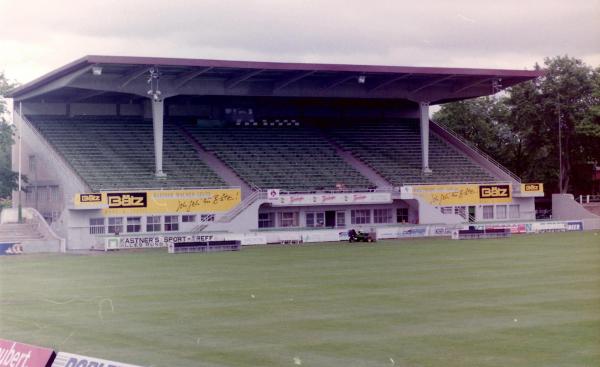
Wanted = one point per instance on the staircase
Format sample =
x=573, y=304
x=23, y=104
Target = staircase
x=34, y=234
x=361, y=167
x=19, y=232
x=220, y=168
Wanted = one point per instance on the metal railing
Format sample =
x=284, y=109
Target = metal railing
x=202, y=224
x=586, y=199
x=472, y=147
x=249, y=200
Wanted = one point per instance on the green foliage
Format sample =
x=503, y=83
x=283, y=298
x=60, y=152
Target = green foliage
x=520, y=129
x=8, y=178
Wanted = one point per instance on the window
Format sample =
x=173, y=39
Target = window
x=188, y=218
x=115, y=225
x=54, y=194
x=32, y=163
x=29, y=193
x=382, y=215
x=42, y=193
x=340, y=219
x=153, y=224
x=500, y=211
x=315, y=219
x=288, y=219
x=402, y=215
x=488, y=212
x=513, y=211
x=134, y=224
x=207, y=218
x=446, y=210
x=171, y=223
x=360, y=216
x=266, y=220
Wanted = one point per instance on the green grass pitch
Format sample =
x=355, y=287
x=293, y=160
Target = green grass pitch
x=523, y=301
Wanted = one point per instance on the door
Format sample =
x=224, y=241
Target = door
x=330, y=218
x=471, y=214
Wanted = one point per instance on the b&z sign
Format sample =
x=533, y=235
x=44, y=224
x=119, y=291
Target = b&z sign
x=459, y=194
x=127, y=200
x=494, y=191
x=160, y=201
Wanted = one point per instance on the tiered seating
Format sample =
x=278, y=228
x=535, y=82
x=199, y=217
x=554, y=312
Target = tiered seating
x=116, y=153
x=284, y=157
x=393, y=149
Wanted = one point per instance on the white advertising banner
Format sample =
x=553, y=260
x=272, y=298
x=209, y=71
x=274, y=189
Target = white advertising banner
x=540, y=227
x=74, y=360
x=333, y=199
x=161, y=241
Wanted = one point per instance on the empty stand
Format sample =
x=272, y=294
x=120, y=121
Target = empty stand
x=393, y=149
x=118, y=152
x=285, y=157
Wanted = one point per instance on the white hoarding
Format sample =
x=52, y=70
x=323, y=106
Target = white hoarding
x=333, y=199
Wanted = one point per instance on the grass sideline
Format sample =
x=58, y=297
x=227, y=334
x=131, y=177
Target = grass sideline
x=523, y=301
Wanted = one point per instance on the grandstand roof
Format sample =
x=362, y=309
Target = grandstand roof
x=120, y=77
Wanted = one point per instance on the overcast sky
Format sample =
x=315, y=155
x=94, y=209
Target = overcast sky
x=39, y=36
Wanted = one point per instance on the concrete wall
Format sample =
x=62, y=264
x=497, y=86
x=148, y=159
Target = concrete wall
x=77, y=109
x=51, y=168
x=44, y=108
x=99, y=109
x=564, y=207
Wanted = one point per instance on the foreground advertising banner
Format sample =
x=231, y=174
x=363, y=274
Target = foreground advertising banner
x=157, y=241
x=331, y=199
x=160, y=201
x=75, y=360
x=462, y=194
x=15, y=354
x=11, y=249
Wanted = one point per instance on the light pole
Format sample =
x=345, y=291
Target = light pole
x=20, y=210
x=560, y=162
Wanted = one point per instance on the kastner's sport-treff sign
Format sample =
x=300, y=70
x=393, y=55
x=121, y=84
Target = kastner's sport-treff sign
x=160, y=201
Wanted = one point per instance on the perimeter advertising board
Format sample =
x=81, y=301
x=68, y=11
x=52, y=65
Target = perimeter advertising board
x=462, y=194
x=160, y=201
x=15, y=354
x=11, y=249
x=74, y=360
x=158, y=241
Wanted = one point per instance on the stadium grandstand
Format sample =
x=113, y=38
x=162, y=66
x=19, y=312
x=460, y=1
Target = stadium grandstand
x=143, y=151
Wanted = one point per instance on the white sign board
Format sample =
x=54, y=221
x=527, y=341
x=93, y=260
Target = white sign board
x=273, y=194
x=333, y=199
x=74, y=360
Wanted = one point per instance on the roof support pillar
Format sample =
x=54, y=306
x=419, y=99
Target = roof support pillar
x=158, y=107
x=424, y=115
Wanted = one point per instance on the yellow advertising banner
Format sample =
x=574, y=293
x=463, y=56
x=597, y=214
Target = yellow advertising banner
x=532, y=189
x=161, y=201
x=466, y=194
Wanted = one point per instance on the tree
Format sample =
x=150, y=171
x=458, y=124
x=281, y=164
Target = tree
x=8, y=178
x=521, y=129
x=479, y=121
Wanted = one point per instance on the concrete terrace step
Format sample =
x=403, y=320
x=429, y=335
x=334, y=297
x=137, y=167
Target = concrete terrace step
x=15, y=232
